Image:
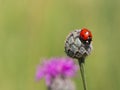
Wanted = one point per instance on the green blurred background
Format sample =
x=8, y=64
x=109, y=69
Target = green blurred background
x=34, y=29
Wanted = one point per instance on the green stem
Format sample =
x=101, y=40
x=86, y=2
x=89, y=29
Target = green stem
x=81, y=64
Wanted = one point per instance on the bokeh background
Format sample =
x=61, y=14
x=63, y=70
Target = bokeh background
x=35, y=29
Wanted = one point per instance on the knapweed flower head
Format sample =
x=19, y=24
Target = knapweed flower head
x=78, y=43
x=54, y=67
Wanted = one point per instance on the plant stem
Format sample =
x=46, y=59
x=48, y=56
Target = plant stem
x=81, y=64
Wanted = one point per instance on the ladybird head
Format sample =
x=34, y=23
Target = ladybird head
x=85, y=36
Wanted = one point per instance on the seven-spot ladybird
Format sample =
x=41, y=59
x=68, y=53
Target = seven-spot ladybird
x=85, y=36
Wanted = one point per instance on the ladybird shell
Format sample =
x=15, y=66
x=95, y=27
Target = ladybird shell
x=85, y=34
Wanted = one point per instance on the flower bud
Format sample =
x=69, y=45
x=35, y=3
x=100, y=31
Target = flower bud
x=75, y=47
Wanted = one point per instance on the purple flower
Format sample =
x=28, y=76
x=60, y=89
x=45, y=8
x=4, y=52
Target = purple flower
x=54, y=67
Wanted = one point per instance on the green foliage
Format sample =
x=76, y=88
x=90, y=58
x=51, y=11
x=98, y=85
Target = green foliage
x=34, y=29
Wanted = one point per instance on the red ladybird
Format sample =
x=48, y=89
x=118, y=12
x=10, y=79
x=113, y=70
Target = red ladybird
x=85, y=36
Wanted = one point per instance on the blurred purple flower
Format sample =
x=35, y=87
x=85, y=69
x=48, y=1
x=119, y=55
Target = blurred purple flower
x=50, y=69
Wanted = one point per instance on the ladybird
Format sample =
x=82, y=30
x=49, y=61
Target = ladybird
x=85, y=36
